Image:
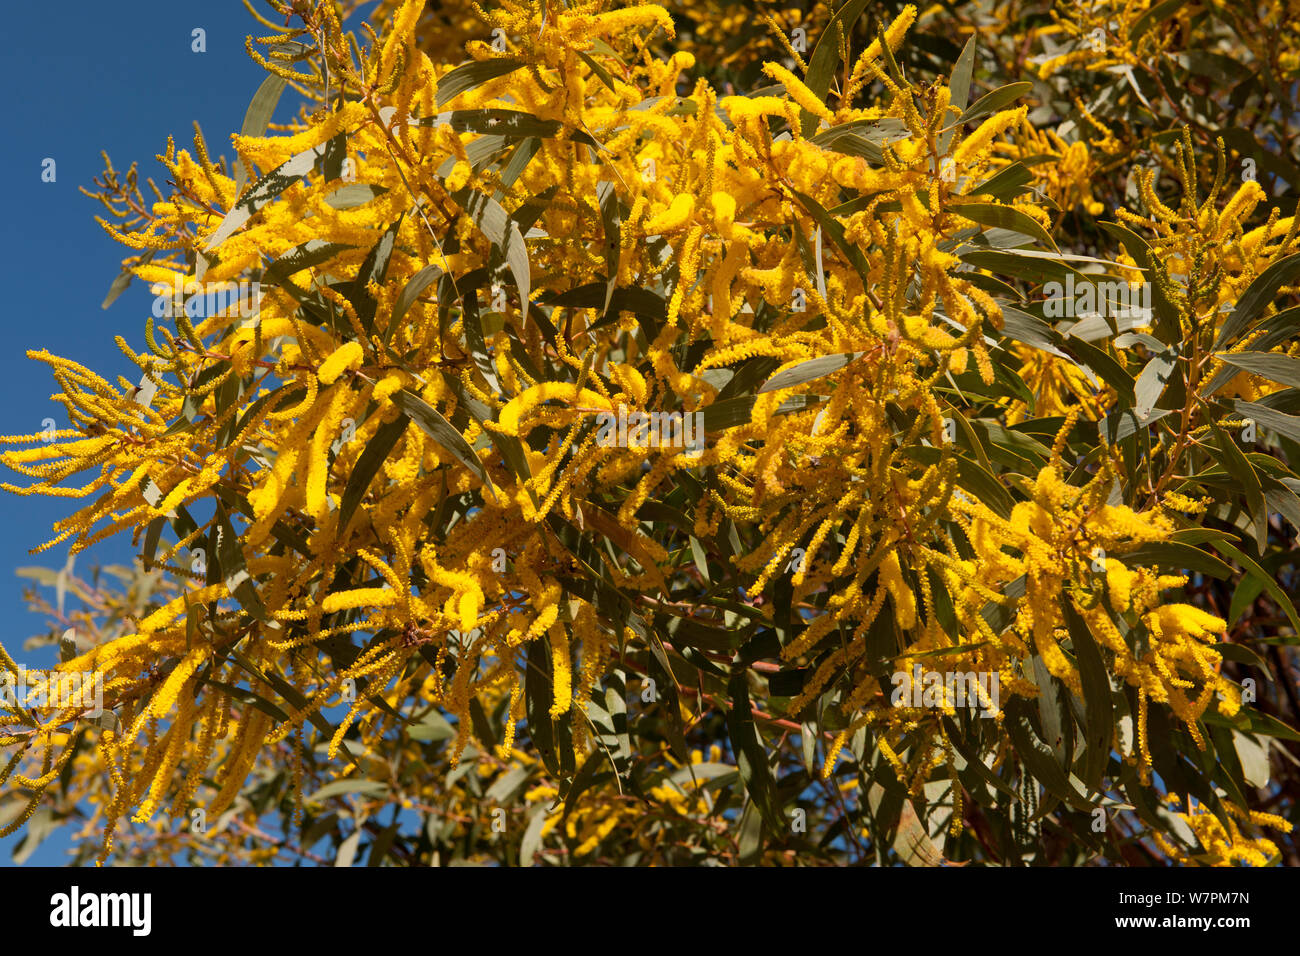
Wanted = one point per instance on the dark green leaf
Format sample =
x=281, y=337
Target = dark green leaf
x=1257, y=297
x=442, y=431
x=994, y=100
x=1284, y=369
x=259, y=113
x=367, y=466
x=263, y=191
x=807, y=371
x=410, y=292
x=1002, y=217
x=467, y=76
x=751, y=755
x=1177, y=557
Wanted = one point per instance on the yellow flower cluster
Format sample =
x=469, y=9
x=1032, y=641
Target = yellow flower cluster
x=402, y=444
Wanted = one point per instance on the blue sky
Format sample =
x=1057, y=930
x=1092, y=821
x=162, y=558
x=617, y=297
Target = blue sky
x=78, y=77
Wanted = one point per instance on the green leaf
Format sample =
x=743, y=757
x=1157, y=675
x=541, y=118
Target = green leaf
x=311, y=253
x=973, y=760
x=475, y=341
x=610, y=721
x=1239, y=467
x=505, y=787
x=607, y=197
x=1240, y=652
x=1151, y=382
x=1177, y=557
x=1153, y=16
x=733, y=412
x=1031, y=330
x=649, y=307
x=863, y=138
x=39, y=826
x=835, y=230
x=750, y=839
x=1257, y=297
x=1140, y=252
x=123, y=280
x=959, y=87
x=751, y=755
x=588, y=776
x=503, y=232
x=1002, y=217
x=509, y=447
x=467, y=76
x=728, y=413
x=230, y=555
x=263, y=191
x=512, y=124
x=373, y=269
x=608, y=80
x=1272, y=162
x=1020, y=264
x=246, y=696
x=519, y=159
x=532, y=841
x=1270, y=585
x=1006, y=184
x=807, y=371
x=353, y=195
x=1038, y=756
x=1099, y=718
x=1253, y=755
x=1286, y=425
x=1105, y=367
x=369, y=788
x=539, y=691
x=151, y=538
x=433, y=728
x=367, y=466
x=410, y=292
x=994, y=100
x=293, y=696
x=986, y=488
x=381, y=844
x=1284, y=369
x=826, y=56
x=481, y=153
x=258, y=116
x=442, y=431
x=348, y=849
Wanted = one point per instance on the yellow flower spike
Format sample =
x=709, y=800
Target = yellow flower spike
x=561, y=671
x=347, y=357
x=798, y=91
x=1119, y=582
x=673, y=218
x=894, y=34
x=975, y=146
x=891, y=578
x=520, y=405
x=642, y=15
x=175, y=743
x=317, y=499
x=359, y=597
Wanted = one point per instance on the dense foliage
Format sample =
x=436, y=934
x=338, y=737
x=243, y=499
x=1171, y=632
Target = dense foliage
x=649, y=411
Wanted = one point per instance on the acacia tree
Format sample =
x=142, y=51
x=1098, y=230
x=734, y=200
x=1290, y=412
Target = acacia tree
x=639, y=424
